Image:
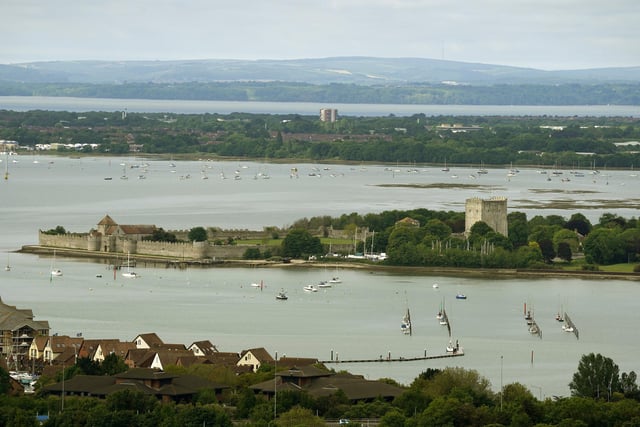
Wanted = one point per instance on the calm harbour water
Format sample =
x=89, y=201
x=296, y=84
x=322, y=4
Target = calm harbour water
x=25, y=103
x=359, y=318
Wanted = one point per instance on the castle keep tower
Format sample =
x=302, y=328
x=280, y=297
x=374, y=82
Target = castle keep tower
x=492, y=211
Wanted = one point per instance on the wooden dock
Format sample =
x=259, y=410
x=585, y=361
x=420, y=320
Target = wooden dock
x=382, y=359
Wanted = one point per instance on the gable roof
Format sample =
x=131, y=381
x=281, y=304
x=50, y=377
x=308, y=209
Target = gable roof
x=354, y=387
x=307, y=371
x=137, y=229
x=259, y=353
x=223, y=358
x=12, y=319
x=107, y=220
x=205, y=347
x=290, y=362
x=151, y=339
x=147, y=381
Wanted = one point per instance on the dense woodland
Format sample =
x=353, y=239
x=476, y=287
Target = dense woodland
x=572, y=142
x=282, y=91
x=601, y=395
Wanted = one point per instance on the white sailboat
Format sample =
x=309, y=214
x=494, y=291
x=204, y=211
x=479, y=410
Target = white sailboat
x=405, y=326
x=55, y=271
x=129, y=274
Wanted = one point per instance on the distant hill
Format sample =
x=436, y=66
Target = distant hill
x=346, y=70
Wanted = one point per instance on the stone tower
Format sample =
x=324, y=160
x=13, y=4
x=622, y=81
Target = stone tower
x=492, y=211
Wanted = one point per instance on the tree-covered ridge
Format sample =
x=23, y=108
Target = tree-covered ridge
x=578, y=142
x=349, y=93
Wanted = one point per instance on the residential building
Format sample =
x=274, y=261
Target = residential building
x=254, y=358
x=328, y=115
x=18, y=328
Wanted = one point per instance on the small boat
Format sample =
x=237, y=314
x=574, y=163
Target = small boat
x=107, y=178
x=453, y=348
x=282, y=296
x=461, y=296
x=335, y=280
x=55, y=271
x=324, y=284
x=567, y=328
x=310, y=288
x=129, y=274
x=435, y=286
x=559, y=317
x=405, y=326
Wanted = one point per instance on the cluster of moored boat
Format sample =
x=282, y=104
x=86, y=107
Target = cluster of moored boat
x=282, y=294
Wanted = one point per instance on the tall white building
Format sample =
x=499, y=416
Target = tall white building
x=328, y=114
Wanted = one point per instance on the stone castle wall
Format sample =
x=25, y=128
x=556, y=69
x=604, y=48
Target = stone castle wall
x=68, y=241
x=185, y=250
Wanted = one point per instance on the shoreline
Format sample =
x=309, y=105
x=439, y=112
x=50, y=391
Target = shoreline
x=171, y=262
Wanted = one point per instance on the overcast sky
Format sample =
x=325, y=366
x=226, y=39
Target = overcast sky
x=545, y=34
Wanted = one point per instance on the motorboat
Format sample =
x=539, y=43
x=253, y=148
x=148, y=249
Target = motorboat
x=461, y=296
x=324, y=284
x=435, y=286
x=310, y=288
x=282, y=296
x=335, y=280
x=56, y=272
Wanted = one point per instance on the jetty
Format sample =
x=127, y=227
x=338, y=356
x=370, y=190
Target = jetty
x=389, y=359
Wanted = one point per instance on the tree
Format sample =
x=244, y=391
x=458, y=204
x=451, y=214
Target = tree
x=113, y=364
x=604, y=246
x=564, y=251
x=628, y=384
x=546, y=247
x=437, y=228
x=579, y=223
x=298, y=416
x=597, y=377
x=160, y=235
x=4, y=381
x=300, y=242
x=197, y=234
x=568, y=236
